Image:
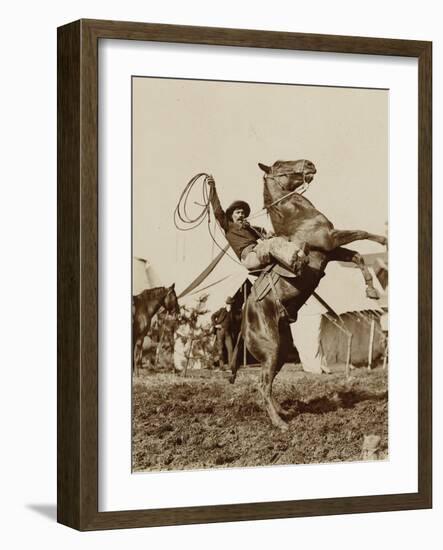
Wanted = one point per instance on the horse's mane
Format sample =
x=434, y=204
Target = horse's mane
x=153, y=293
x=267, y=198
x=156, y=290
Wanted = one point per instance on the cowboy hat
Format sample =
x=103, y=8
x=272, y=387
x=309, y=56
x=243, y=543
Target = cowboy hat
x=237, y=205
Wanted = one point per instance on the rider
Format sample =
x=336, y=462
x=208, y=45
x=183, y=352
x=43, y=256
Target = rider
x=253, y=245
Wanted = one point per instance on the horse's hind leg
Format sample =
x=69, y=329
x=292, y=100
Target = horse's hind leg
x=346, y=255
x=233, y=361
x=229, y=346
x=280, y=410
x=270, y=368
x=285, y=344
x=262, y=339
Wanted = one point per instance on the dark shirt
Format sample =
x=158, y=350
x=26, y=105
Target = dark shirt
x=239, y=237
x=219, y=316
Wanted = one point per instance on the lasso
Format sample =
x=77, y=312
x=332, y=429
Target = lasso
x=184, y=221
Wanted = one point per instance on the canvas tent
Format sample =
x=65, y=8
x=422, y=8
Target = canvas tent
x=143, y=275
x=340, y=308
x=225, y=279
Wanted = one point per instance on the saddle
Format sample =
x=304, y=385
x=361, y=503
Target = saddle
x=267, y=279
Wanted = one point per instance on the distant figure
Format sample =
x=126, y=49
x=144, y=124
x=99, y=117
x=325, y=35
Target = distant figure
x=223, y=330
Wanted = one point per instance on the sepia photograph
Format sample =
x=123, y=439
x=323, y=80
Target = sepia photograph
x=259, y=274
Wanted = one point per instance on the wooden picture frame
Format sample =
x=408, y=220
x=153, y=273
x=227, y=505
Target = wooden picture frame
x=78, y=244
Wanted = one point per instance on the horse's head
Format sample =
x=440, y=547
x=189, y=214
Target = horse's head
x=289, y=175
x=170, y=301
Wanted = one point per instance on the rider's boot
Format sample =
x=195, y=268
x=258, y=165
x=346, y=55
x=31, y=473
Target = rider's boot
x=288, y=253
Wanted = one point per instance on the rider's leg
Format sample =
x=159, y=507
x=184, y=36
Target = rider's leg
x=251, y=261
x=286, y=252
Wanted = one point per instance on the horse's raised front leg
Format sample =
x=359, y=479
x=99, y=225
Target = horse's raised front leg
x=340, y=237
x=346, y=255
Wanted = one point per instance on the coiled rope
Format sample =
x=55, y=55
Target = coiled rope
x=184, y=221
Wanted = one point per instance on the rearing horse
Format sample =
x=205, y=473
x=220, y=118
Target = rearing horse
x=296, y=218
x=266, y=329
x=144, y=306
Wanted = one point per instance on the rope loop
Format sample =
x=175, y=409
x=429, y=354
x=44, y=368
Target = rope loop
x=184, y=221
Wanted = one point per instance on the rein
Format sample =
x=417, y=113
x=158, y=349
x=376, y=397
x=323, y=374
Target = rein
x=267, y=206
x=301, y=190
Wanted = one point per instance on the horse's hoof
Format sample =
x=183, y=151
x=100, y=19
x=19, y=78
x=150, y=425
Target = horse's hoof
x=232, y=378
x=372, y=293
x=284, y=414
x=281, y=424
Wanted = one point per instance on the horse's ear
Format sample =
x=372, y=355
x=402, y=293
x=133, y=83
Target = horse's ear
x=265, y=168
x=172, y=286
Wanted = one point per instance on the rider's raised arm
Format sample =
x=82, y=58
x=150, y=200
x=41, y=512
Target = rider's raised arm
x=219, y=213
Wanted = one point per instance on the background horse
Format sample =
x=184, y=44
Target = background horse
x=144, y=307
x=265, y=328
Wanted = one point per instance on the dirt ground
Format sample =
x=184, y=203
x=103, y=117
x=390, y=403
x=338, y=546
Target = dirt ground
x=202, y=421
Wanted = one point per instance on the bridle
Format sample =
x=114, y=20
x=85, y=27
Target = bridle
x=289, y=173
x=170, y=291
x=301, y=189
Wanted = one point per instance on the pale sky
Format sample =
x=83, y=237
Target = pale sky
x=182, y=127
